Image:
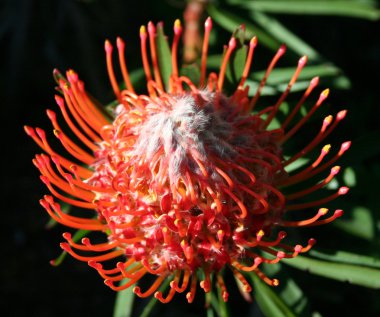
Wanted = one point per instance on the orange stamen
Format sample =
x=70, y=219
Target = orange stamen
x=248, y=62
x=342, y=191
x=334, y=171
x=208, y=27
x=123, y=65
x=223, y=67
x=144, y=55
x=222, y=287
x=153, y=54
x=151, y=289
x=301, y=64
x=177, y=36
x=321, y=99
x=193, y=288
x=313, y=83
x=111, y=74
x=274, y=61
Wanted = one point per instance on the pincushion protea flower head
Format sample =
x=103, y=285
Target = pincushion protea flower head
x=186, y=180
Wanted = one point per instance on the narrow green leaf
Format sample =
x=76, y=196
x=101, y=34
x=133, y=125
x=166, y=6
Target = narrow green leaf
x=269, y=302
x=346, y=257
x=349, y=177
x=354, y=274
x=288, y=290
x=210, y=311
x=229, y=22
x=360, y=223
x=254, y=85
x=302, y=161
x=222, y=305
x=237, y=60
x=349, y=8
x=293, y=296
x=281, y=33
x=211, y=304
x=136, y=76
x=163, y=55
x=282, y=75
x=124, y=302
x=193, y=72
x=279, y=77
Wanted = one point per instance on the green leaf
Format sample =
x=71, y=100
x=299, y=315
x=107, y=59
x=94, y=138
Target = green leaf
x=237, y=60
x=293, y=296
x=163, y=55
x=222, y=305
x=229, y=22
x=76, y=237
x=349, y=177
x=346, y=257
x=136, y=76
x=302, y=161
x=254, y=85
x=124, y=302
x=280, y=77
x=193, y=72
x=269, y=302
x=281, y=33
x=283, y=75
x=348, y=8
x=354, y=274
x=359, y=224
x=288, y=290
x=211, y=302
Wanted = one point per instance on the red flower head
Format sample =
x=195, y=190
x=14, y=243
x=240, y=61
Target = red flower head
x=185, y=181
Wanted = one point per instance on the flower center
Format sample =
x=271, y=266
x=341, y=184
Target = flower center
x=193, y=181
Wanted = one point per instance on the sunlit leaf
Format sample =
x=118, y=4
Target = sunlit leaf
x=349, y=177
x=346, y=257
x=254, y=85
x=281, y=33
x=269, y=302
x=212, y=304
x=229, y=21
x=237, y=60
x=124, y=302
x=360, y=223
x=302, y=161
x=349, y=8
x=353, y=274
x=192, y=72
x=282, y=75
x=164, y=55
x=288, y=290
x=293, y=296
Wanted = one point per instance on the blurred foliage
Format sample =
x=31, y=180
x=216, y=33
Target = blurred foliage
x=341, y=276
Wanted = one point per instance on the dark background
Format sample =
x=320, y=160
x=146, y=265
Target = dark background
x=37, y=36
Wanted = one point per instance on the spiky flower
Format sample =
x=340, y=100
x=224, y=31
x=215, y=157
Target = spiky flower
x=185, y=181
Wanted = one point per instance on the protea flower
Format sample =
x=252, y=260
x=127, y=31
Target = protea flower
x=186, y=181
